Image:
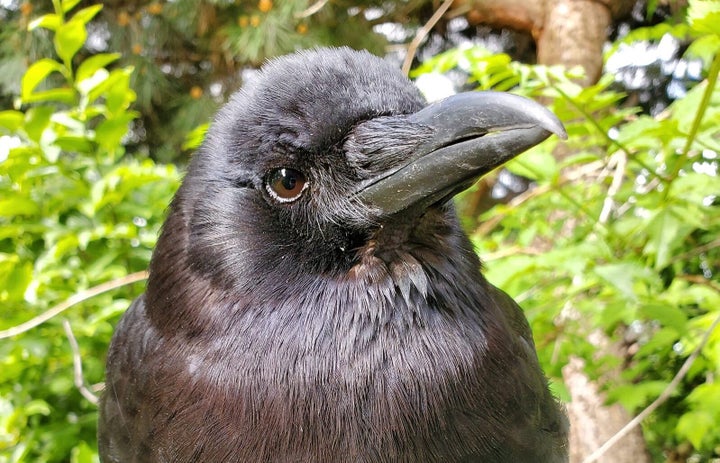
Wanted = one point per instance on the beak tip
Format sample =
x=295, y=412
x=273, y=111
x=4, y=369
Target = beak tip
x=545, y=118
x=559, y=130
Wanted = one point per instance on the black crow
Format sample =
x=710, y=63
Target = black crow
x=312, y=296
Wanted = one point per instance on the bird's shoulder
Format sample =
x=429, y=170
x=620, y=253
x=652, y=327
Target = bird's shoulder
x=123, y=397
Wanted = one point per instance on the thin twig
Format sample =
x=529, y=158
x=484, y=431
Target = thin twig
x=77, y=365
x=71, y=301
x=657, y=402
x=609, y=202
x=511, y=251
x=422, y=33
x=312, y=9
x=700, y=280
x=698, y=250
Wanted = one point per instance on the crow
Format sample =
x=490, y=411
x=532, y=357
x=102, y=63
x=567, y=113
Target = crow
x=312, y=296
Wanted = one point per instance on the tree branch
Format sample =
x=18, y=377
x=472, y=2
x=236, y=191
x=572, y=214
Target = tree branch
x=77, y=365
x=312, y=9
x=609, y=202
x=422, y=33
x=73, y=300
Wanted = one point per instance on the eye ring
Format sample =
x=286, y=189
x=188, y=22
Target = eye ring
x=286, y=185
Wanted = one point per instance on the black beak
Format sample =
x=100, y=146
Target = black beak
x=471, y=134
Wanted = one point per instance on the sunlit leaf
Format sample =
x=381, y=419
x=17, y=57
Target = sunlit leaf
x=68, y=5
x=49, y=21
x=667, y=231
x=59, y=95
x=623, y=276
x=695, y=425
x=69, y=38
x=535, y=164
x=11, y=120
x=91, y=65
x=704, y=16
x=85, y=15
x=17, y=205
x=633, y=396
x=194, y=139
x=82, y=453
x=37, y=73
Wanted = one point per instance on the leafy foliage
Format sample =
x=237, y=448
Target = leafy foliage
x=619, y=234
x=74, y=212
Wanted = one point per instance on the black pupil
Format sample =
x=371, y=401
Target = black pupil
x=286, y=184
x=289, y=179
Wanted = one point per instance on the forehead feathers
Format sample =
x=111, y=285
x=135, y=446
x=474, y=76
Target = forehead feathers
x=310, y=100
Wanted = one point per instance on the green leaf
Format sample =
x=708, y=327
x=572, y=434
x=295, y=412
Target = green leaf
x=37, y=407
x=85, y=15
x=662, y=340
x=642, y=133
x=49, y=21
x=18, y=280
x=109, y=133
x=669, y=316
x=68, y=39
x=623, y=276
x=74, y=143
x=706, y=396
x=704, y=16
x=37, y=73
x=17, y=205
x=68, y=5
x=633, y=396
x=500, y=273
x=666, y=232
x=82, y=453
x=11, y=120
x=704, y=48
x=37, y=120
x=88, y=67
x=695, y=425
x=85, y=86
x=535, y=164
x=115, y=89
x=61, y=95
x=119, y=95
x=582, y=157
x=194, y=139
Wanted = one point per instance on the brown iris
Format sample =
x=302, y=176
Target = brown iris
x=286, y=185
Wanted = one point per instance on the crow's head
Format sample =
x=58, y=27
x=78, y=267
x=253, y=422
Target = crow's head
x=329, y=159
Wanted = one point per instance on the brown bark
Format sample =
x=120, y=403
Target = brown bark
x=567, y=32
x=592, y=422
x=573, y=34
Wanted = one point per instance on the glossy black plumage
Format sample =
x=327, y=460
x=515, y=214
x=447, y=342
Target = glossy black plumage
x=322, y=329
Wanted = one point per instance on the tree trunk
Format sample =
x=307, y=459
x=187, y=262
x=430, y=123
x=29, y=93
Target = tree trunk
x=568, y=32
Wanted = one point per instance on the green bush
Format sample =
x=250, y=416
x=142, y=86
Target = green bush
x=75, y=211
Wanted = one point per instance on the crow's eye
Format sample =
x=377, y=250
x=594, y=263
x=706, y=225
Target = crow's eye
x=285, y=185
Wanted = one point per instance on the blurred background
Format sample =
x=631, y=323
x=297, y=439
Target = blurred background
x=610, y=240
